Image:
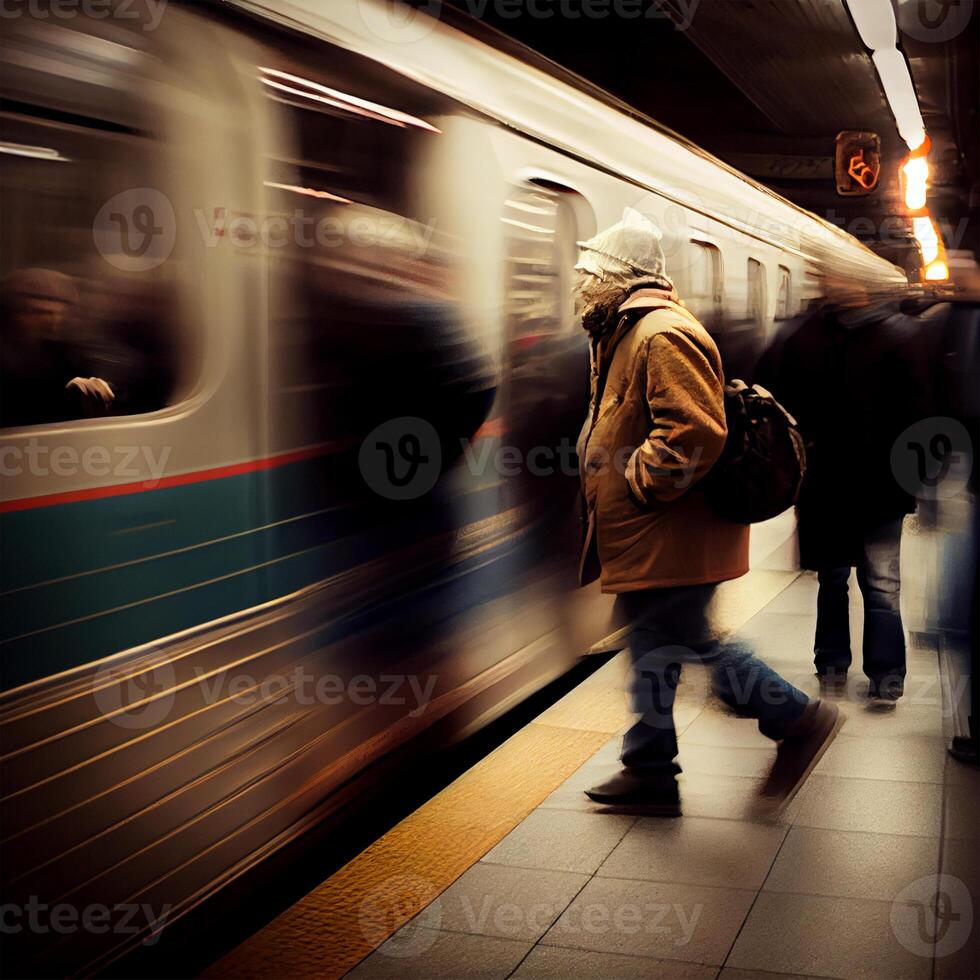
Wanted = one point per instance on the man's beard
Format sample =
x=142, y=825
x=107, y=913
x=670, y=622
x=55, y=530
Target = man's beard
x=600, y=304
x=598, y=318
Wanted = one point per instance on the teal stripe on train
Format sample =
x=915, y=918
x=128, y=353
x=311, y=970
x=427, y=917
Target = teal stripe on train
x=86, y=579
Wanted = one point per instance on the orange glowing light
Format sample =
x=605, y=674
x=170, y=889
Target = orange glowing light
x=916, y=173
x=927, y=237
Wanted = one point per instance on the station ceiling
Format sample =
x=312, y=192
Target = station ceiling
x=767, y=85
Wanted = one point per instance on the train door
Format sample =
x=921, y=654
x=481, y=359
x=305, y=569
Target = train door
x=546, y=354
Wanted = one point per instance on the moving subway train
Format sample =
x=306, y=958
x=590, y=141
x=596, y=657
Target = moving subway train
x=326, y=274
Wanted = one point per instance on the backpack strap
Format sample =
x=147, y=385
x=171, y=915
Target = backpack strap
x=630, y=313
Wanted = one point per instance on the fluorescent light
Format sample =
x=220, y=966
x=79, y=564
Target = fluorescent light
x=927, y=237
x=307, y=191
x=330, y=96
x=525, y=225
x=34, y=152
x=897, y=83
x=875, y=22
x=916, y=171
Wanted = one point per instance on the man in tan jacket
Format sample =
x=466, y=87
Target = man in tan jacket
x=655, y=427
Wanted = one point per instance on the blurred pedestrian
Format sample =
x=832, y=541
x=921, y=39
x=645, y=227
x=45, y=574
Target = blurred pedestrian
x=851, y=374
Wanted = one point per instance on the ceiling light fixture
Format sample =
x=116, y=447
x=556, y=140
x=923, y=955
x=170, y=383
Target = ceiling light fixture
x=875, y=23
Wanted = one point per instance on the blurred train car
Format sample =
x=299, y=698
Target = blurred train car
x=284, y=228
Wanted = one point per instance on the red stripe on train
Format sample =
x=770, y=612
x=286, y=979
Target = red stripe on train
x=182, y=479
x=489, y=429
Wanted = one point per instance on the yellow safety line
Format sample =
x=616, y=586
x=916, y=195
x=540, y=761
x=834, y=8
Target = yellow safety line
x=370, y=898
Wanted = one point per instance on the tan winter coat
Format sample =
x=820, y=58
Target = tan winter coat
x=656, y=431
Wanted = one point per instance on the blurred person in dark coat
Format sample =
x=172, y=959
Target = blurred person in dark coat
x=853, y=376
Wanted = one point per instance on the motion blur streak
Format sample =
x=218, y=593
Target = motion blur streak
x=325, y=279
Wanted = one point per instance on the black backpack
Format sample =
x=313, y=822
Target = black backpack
x=761, y=469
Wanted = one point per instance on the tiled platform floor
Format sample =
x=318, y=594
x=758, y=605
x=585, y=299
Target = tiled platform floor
x=843, y=884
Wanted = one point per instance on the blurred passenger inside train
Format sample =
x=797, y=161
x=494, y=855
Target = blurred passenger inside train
x=46, y=375
x=656, y=425
x=854, y=376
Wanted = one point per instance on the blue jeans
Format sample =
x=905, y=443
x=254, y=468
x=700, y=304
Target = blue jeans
x=880, y=583
x=671, y=626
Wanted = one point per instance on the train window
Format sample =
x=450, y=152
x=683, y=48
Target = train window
x=540, y=231
x=86, y=283
x=756, y=308
x=365, y=321
x=705, y=280
x=546, y=362
x=784, y=298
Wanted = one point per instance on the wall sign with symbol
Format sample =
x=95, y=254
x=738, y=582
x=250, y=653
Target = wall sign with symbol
x=857, y=162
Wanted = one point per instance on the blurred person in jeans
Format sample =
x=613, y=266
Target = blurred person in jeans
x=853, y=375
x=655, y=426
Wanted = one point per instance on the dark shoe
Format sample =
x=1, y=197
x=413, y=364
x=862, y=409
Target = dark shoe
x=833, y=681
x=883, y=696
x=655, y=795
x=964, y=749
x=878, y=701
x=803, y=742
